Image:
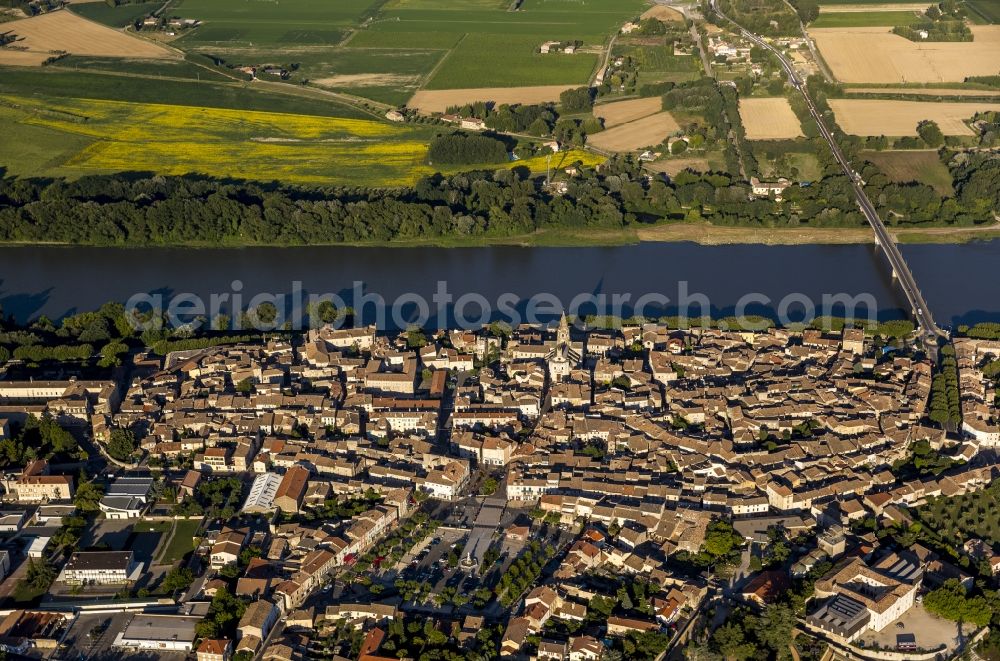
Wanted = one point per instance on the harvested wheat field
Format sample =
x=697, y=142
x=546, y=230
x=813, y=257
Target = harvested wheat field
x=441, y=100
x=665, y=14
x=769, y=119
x=622, y=112
x=42, y=36
x=898, y=118
x=875, y=55
x=672, y=166
x=641, y=133
x=922, y=91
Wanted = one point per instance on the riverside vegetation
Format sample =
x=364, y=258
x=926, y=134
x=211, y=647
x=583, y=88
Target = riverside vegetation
x=138, y=209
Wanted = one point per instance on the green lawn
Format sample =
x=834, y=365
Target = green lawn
x=181, y=544
x=152, y=526
x=116, y=17
x=857, y=19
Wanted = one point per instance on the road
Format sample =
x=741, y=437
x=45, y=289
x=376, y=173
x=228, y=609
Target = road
x=602, y=72
x=921, y=313
x=696, y=38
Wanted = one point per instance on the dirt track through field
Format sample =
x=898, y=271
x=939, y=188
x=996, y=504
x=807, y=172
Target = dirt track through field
x=898, y=118
x=769, y=119
x=635, y=135
x=368, y=80
x=40, y=37
x=875, y=55
x=622, y=112
x=441, y=100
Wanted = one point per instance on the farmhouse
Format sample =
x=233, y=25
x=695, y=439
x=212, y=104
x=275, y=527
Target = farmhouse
x=722, y=49
x=760, y=188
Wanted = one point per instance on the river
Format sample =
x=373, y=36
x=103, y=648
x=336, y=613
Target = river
x=960, y=282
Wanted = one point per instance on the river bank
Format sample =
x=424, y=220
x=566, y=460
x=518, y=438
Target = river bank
x=701, y=233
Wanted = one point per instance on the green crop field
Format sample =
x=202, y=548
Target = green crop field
x=856, y=19
x=560, y=23
x=386, y=50
x=261, y=22
x=474, y=63
x=182, y=542
x=404, y=40
x=149, y=68
x=78, y=84
x=476, y=31
x=116, y=17
x=987, y=11
x=33, y=150
x=389, y=75
x=865, y=2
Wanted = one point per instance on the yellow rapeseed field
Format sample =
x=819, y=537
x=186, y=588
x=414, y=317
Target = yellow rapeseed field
x=172, y=139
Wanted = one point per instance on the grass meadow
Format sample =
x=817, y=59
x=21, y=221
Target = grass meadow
x=920, y=166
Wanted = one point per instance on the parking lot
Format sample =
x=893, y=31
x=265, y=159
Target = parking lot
x=92, y=635
x=930, y=631
x=432, y=567
x=462, y=514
